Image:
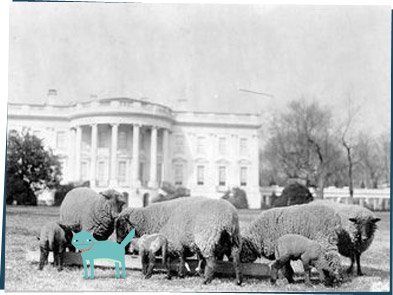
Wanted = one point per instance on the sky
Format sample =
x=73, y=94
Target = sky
x=203, y=54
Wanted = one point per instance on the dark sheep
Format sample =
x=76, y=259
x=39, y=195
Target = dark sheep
x=311, y=253
x=92, y=211
x=357, y=231
x=148, y=247
x=192, y=225
x=54, y=238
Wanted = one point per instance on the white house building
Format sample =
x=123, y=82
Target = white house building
x=133, y=145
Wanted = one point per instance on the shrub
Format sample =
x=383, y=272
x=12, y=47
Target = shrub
x=292, y=194
x=237, y=197
x=170, y=192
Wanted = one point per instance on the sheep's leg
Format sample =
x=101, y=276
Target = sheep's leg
x=60, y=263
x=182, y=267
x=276, y=266
x=235, y=258
x=360, y=273
x=288, y=272
x=201, y=263
x=307, y=270
x=145, y=262
x=350, y=269
x=152, y=260
x=168, y=267
x=43, y=258
x=209, y=269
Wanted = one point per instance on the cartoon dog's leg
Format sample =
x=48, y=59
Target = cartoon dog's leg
x=117, y=270
x=123, y=268
x=85, y=268
x=92, y=268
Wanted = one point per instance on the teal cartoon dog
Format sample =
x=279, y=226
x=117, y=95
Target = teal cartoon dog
x=93, y=250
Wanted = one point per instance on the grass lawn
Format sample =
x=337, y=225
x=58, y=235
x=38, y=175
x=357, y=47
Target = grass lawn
x=23, y=225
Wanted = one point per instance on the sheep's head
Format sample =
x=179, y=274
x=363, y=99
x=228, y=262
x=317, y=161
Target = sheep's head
x=329, y=263
x=116, y=201
x=249, y=252
x=365, y=227
x=128, y=219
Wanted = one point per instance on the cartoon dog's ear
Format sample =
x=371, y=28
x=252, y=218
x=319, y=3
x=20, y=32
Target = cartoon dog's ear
x=73, y=233
x=92, y=233
x=354, y=220
x=375, y=220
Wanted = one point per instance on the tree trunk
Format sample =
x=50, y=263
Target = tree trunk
x=320, y=187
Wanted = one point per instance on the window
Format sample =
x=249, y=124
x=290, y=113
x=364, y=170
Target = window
x=200, y=145
x=221, y=175
x=101, y=171
x=243, y=146
x=222, y=145
x=60, y=140
x=122, y=172
x=122, y=140
x=178, y=174
x=179, y=144
x=243, y=176
x=200, y=175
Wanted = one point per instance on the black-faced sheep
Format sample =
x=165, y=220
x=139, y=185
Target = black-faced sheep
x=260, y=237
x=54, y=238
x=148, y=247
x=191, y=225
x=357, y=231
x=92, y=211
x=311, y=253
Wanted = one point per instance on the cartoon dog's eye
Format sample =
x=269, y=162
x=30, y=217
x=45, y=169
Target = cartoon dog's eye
x=88, y=240
x=75, y=241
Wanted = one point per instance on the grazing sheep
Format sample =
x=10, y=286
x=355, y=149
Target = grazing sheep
x=311, y=253
x=54, y=237
x=192, y=225
x=357, y=231
x=148, y=247
x=260, y=237
x=92, y=211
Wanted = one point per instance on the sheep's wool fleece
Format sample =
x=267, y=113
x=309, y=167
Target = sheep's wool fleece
x=271, y=224
x=90, y=210
x=346, y=211
x=188, y=222
x=51, y=233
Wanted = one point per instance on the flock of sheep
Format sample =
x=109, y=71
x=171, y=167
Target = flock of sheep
x=316, y=233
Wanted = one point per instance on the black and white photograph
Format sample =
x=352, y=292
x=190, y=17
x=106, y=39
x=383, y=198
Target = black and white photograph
x=198, y=148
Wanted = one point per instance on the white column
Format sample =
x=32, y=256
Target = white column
x=93, y=152
x=165, y=155
x=135, y=155
x=78, y=153
x=113, y=179
x=153, y=158
x=72, y=151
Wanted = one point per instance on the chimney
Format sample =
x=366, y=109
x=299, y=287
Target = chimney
x=51, y=97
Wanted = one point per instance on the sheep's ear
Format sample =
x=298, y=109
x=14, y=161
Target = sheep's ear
x=107, y=194
x=354, y=220
x=375, y=220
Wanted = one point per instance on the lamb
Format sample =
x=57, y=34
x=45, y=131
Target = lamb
x=192, y=225
x=54, y=237
x=92, y=211
x=148, y=247
x=357, y=231
x=260, y=237
x=311, y=253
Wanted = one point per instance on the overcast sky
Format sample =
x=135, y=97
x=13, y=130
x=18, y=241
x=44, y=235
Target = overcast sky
x=204, y=53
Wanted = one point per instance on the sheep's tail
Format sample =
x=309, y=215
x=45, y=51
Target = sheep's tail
x=128, y=238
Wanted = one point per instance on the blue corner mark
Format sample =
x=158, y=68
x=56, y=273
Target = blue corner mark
x=93, y=250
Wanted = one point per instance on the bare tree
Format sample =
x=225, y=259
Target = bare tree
x=302, y=144
x=348, y=139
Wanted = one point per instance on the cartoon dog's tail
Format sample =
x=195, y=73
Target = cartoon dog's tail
x=128, y=238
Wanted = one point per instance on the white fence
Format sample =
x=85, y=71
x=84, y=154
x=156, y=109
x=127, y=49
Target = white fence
x=374, y=199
